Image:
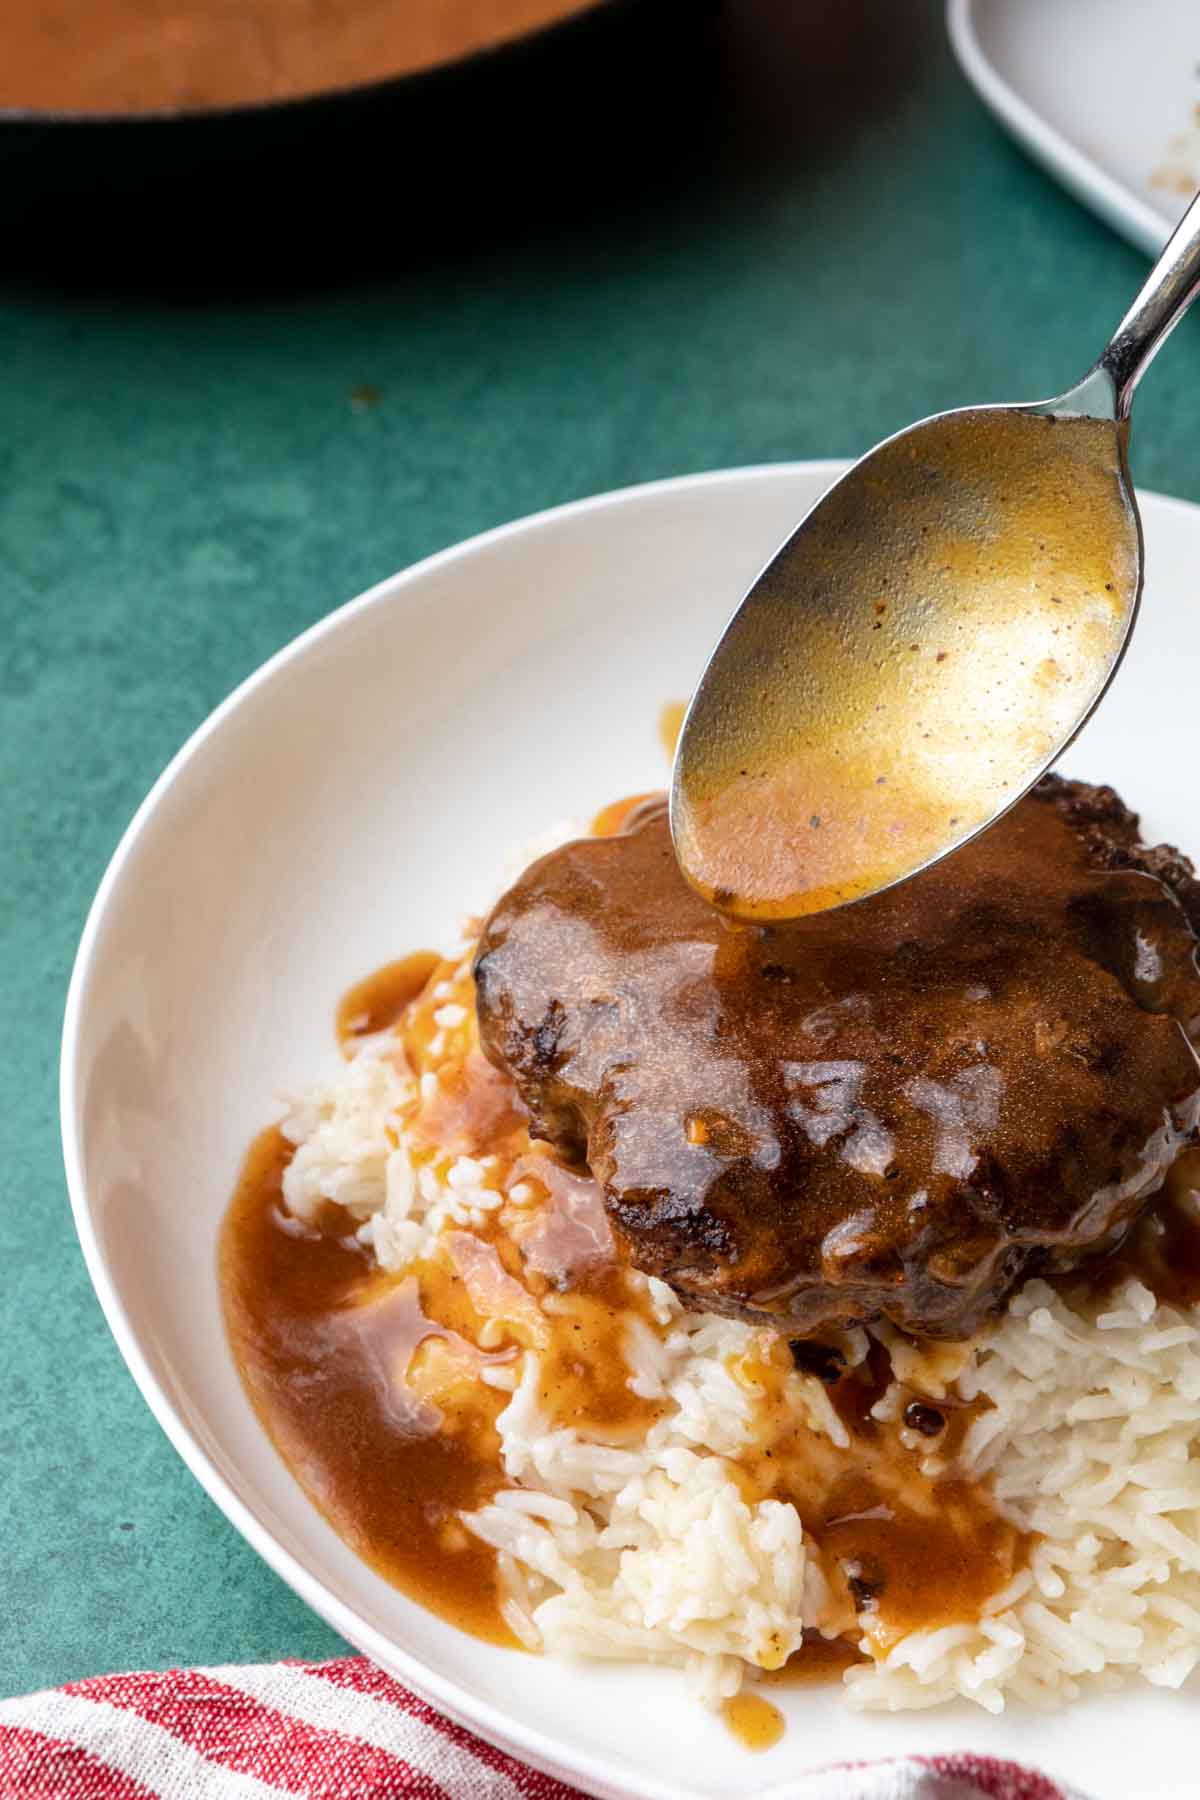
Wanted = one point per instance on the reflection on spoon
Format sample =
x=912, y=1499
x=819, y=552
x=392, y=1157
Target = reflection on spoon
x=926, y=643
x=931, y=634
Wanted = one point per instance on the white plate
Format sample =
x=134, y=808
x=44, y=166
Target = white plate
x=1102, y=92
x=346, y=803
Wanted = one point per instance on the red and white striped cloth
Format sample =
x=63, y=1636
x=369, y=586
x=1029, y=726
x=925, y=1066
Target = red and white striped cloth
x=345, y=1731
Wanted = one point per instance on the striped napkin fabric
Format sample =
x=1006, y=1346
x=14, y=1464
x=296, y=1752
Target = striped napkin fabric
x=346, y=1731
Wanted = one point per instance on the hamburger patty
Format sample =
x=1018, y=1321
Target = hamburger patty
x=894, y=1110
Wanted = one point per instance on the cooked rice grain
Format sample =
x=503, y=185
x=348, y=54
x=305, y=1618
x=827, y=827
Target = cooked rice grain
x=652, y=1552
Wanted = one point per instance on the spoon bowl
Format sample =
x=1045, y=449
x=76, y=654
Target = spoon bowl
x=925, y=644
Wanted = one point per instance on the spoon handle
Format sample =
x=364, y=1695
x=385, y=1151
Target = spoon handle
x=1169, y=290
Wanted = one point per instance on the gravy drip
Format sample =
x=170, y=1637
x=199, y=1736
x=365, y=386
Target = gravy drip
x=670, y=724
x=376, y=1388
x=754, y=1722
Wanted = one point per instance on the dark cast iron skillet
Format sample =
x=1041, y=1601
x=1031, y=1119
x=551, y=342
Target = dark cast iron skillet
x=330, y=186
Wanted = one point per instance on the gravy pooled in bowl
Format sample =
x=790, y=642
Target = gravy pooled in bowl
x=378, y=1390
x=470, y=1362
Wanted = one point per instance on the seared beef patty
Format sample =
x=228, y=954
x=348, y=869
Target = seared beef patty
x=896, y=1109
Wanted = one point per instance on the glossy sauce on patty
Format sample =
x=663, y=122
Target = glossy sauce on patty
x=892, y=1110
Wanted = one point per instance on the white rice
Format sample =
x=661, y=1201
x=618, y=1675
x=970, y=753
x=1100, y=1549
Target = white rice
x=651, y=1551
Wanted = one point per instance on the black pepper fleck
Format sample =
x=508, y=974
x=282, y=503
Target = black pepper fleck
x=863, y=1590
x=925, y=1419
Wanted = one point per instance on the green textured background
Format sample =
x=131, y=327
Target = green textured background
x=836, y=240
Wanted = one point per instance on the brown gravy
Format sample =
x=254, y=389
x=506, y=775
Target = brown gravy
x=919, y=1570
x=1162, y=1250
x=376, y=1003
x=820, y=1659
x=1165, y=1254
x=670, y=724
x=754, y=1722
x=912, y=1551
x=316, y=1330
x=757, y=1722
x=148, y=56
x=874, y=1063
x=585, y=1380
x=393, y=1497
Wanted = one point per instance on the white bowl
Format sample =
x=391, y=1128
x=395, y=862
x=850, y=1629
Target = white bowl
x=1049, y=70
x=345, y=805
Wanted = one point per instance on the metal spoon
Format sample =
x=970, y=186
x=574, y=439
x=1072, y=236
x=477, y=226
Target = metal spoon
x=926, y=642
